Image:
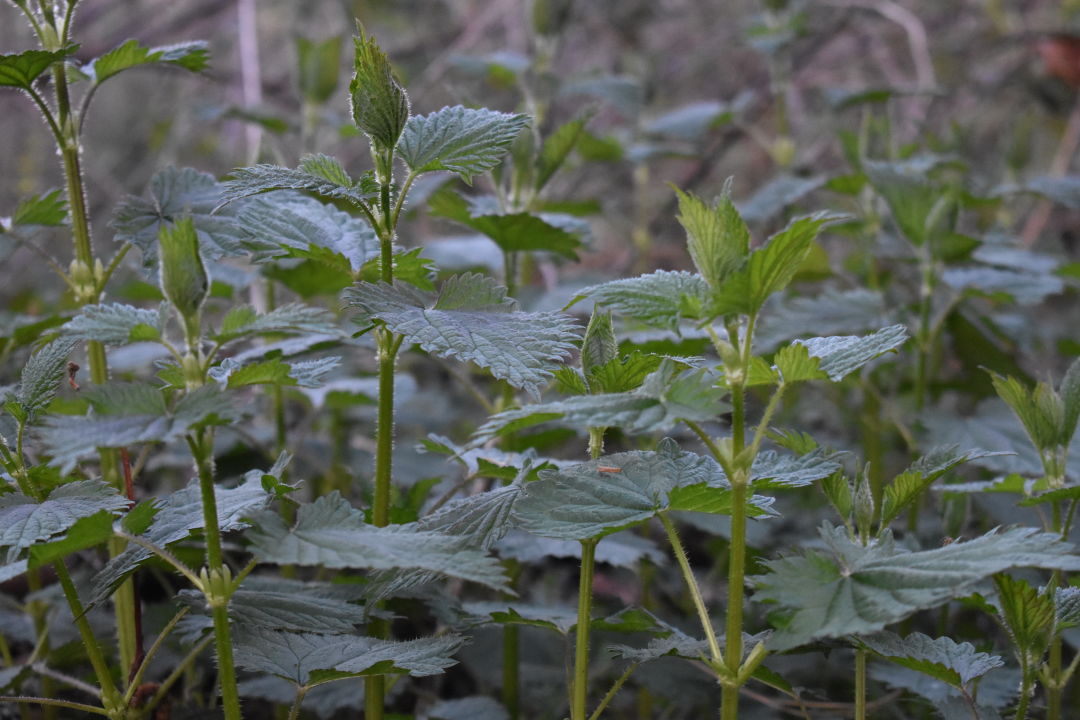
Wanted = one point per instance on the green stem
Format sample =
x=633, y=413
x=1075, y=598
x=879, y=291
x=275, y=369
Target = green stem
x=110, y=697
x=1055, y=688
x=220, y=584
x=50, y=702
x=176, y=674
x=294, y=711
x=136, y=681
x=729, y=703
x=613, y=692
x=580, y=688
x=860, y=684
x=1025, y=694
x=692, y=586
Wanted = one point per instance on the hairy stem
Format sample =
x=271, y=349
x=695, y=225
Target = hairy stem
x=729, y=700
x=692, y=586
x=580, y=688
x=860, y=684
x=217, y=596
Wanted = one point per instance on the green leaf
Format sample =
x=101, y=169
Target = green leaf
x=716, y=235
x=318, y=174
x=852, y=589
x=1029, y=617
x=659, y=299
x=85, y=533
x=176, y=193
x=49, y=209
x=193, y=56
x=42, y=375
x=770, y=268
x=550, y=617
x=293, y=318
x=623, y=549
x=772, y=470
x=622, y=374
x=667, y=396
x=599, y=346
x=481, y=520
x=907, y=487
x=462, y=140
x=911, y=197
x=600, y=497
x=126, y=414
x=834, y=358
x=1067, y=607
x=944, y=659
x=183, y=277
x=21, y=70
x=1025, y=288
x=331, y=533
x=24, y=522
x=180, y=514
x=513, y=232
x=307, y=659
x=472, y=319
x=318, y=68
x=296, y=226
x=282, y=604
x=1070, y=399
x=274, y=371
x=780, y=192
x=557, y=147
x=1041, y=411
x=115, y=324
x=380, y=106
x=832, y=312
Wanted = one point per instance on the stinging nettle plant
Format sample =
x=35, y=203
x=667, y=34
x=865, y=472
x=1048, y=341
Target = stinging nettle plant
x=304, y=595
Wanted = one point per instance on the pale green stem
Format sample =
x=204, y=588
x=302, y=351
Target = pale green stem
x=692, y=586
x=50, y=702
x=860, y=684
x=613, y=692
x=294, y=711
x=580, y=687
x=136, y=680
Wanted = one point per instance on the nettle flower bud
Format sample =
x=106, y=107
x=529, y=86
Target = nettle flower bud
x=183, y=276
x=85, y=280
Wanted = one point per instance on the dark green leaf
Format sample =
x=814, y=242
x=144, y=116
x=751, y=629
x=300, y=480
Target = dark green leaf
x=472, y=319
x=912, y=483
x=115, y=324
x=556, y=147
x=21, y=70
x=42, y=375
x=1029, y=617
x=941, y=658
x=49, y=209
x=24, y=522
x=780, y=192
x=85, y=533
x=659, y=299
x=855, y=589
x=193, y=56
x=293, y=319
x=519, y=231
x=318, y=174
x=307, y=659
x=380, y=106
x=599, y=345
x=462, y=140
x=836, y=357
x=331, y=533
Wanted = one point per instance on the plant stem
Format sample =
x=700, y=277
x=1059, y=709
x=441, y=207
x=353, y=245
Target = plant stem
x=729, y=699
x=580, y=687
x=109, y=695
x=203, y=450
x=860, y=684
x=511, y=670
x=692, y=586
x=50, y=702
x=613, y=691
x=1025, y=694
x=1054, y=689
x=294, y=711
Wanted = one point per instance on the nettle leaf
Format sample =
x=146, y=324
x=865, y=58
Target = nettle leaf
x=550, y=617
x=472, y=319
x=770, y=268
x=675, y=645
x=176, y=193
x=296, y=226
x=42, y=375
x=290, y=605
x=944, y=659
x=462, y=140
x=773, y=470
x=48, y=209
x=380, y=106
x=481, y=520
x=115, y=324
x=293, y=318
x=1025, y=288
x=852, y=589
x=513, y=232
x=1040, y=410
x=317, y=174
x=600, y=497
x=717, y=237
x=666, y=396
x=557, y=147
x=1029, y=616
x=599, y=346
x=275, y=371
x=831, y=312
x=85, y=533
x=193, y=56
x=307, y=659
x=22, y=69
x=24, y=522
x=912, y=198
x=623, y=549
x=913, y=482
x=124, y=414
x=1067, y=607
x=180, y=514
x=834, y=358
x=331, y=533
x=777, y=194
x=622, y=374
x=659, y=299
